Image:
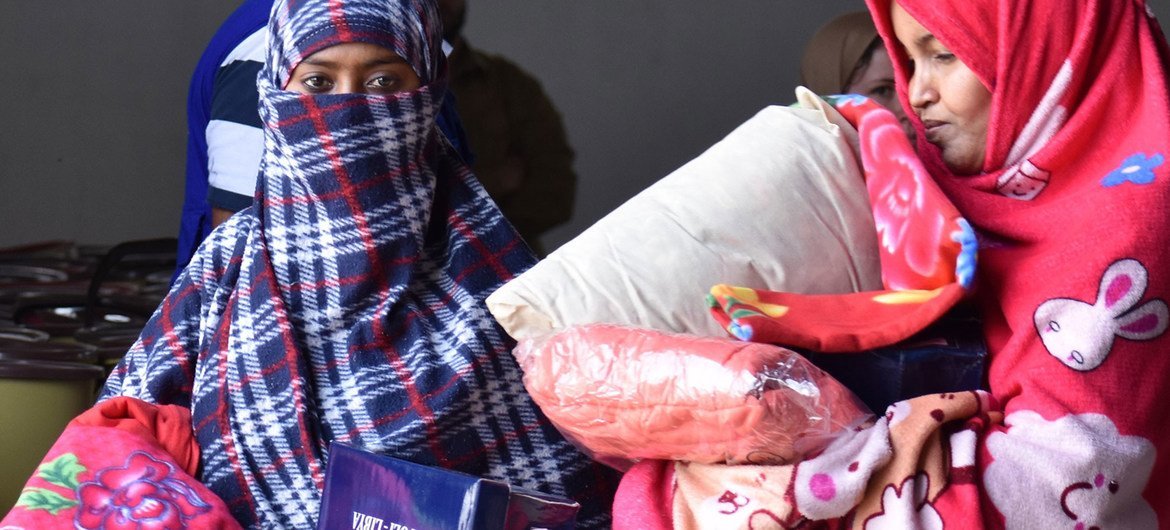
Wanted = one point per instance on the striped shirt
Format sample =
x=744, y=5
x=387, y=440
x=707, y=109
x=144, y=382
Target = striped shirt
x=235, y=138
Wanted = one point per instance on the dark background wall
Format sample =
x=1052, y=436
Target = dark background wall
x=93, y=101
x=93, y=118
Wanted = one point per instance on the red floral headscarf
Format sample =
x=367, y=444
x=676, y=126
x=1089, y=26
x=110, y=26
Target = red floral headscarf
x=1073, y=276
x=1071, y=211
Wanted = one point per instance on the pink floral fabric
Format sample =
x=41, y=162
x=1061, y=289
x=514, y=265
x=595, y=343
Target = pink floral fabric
x=142, y=494
x=928, y=255
x=123, y=465
x=913, y=217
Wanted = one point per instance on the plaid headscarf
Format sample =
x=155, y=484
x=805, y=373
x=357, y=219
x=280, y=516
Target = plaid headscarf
x=347, y=303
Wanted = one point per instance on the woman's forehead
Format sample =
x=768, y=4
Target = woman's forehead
x=967, y=28
x=409, y=28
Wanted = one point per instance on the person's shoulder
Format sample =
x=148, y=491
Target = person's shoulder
x=228, y=235
x=234, y=96
x=252, y=49
x=499, y=64
x=222, y=247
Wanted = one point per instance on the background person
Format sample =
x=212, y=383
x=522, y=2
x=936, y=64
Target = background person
x=846, y=56
x=522, y=154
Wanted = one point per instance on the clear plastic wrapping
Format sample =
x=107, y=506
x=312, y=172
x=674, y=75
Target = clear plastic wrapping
x=625, y=394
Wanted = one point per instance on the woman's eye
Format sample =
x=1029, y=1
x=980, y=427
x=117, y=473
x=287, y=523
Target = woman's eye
x=316, y=83
x=884, y=91
x=944, y=57
x=383, y=83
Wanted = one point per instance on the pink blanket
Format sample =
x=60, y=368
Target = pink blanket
x=124, y=464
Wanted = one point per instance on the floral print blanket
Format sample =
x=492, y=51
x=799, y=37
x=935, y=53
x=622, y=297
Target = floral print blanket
x=928, y=255
x=123, y=464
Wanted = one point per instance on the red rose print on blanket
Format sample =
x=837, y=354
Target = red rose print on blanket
x=910, y=229
x=136, y=476
x=141, y=495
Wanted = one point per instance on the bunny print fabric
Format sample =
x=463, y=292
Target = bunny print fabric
x=1072, y=216
x=1081, y=334
x=1104, y=493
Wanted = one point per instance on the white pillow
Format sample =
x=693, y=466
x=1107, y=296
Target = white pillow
x=779, y=204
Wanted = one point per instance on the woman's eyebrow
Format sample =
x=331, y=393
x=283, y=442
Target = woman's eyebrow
x=318, y=62
x=385, y=60
x=379, y=61
x=925, y=39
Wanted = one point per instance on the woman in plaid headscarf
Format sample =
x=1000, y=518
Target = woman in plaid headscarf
x=347, y=303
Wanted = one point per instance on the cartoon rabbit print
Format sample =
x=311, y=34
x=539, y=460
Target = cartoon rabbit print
x=1081, y=335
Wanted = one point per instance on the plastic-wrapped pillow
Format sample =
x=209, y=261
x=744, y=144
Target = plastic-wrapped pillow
x=625, y=394
x=779, y=204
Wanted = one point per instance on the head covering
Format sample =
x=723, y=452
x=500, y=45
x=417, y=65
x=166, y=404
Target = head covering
x=834, y=51
x=1071, y=212
x=246, y=20
x=409, y=28
x=347, y=303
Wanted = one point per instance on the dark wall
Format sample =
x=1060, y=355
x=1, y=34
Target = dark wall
x=645, y=86
x=93, y=103
x=93, y=114
x=93, y=142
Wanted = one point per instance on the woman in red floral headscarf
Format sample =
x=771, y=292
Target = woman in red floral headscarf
x=1050, y=137
x=1051, y=140
x=1047, y=124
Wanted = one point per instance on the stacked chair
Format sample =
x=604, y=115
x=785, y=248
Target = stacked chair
x=67, y=315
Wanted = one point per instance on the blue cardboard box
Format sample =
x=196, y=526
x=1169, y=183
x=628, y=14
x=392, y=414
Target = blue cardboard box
x=367, y=491
x=948, y=356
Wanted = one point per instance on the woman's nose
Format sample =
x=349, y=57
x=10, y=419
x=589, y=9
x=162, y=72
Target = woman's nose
x=349, y=85
x=921, y=90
